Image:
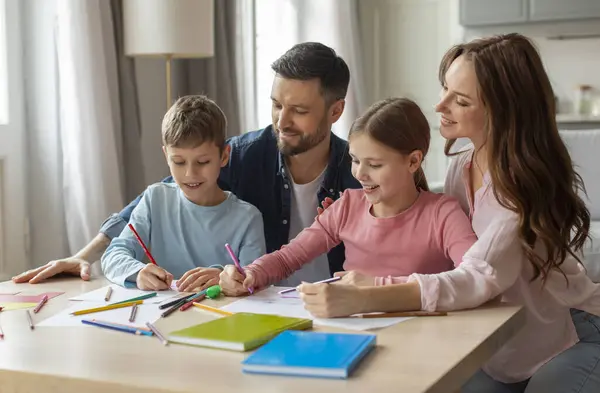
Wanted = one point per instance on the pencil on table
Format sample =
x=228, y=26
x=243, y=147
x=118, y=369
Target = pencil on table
x=29, y=320
x=104, y=308
x=1, y=333
x=191, y=302
x=108, y=293
x=40, y=304
x=157, y=333
x=133, y=312
x=133, y=299
x=404, y=314
x=213, y=309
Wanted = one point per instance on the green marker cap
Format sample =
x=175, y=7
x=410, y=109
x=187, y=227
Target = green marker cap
x=213, y=292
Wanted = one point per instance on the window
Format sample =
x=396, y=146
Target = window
x=276, y=32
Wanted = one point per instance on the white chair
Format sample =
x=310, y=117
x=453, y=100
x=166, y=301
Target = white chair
x=584, y=148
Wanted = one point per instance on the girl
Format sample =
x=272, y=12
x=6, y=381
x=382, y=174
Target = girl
x=517, y=182
x=392, y=227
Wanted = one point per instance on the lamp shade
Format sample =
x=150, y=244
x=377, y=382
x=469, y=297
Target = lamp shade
x=175, y=28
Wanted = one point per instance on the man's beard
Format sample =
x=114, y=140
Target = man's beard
x=305, y=142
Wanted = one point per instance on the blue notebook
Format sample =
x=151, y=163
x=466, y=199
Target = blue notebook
x=310, y=354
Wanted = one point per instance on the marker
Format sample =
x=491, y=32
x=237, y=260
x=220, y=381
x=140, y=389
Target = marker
x=237, y=264
x=332, y=279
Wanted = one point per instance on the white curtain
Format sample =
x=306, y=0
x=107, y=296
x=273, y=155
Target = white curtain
x=72, y=121
x=280, y=24
x=87, y=71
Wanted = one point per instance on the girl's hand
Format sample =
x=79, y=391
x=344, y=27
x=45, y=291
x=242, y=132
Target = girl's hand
x=330, y=301
x=233, y=283
x=354, y=278
x=153, y=278
x=198, y=279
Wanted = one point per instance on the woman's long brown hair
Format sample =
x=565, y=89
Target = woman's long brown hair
x=530, y=168
x=399, y=124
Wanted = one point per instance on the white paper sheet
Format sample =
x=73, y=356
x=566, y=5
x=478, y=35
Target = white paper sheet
x=120, y=294
x=269, y=301
x=145, y=313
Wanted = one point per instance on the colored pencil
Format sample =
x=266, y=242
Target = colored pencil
x=169, y=304
x=125, y=329
x=213, y=309
x=133, y=299
x=108, y=293
x=182, y=302
x=237, y=264
x=158, y=334
x=191, y=302
x=139, y=239
x=404, y=314
x=133, y=313
x=105, y=308
x=40, y=304
x=29, y=320
x=122, y=325
x=328, y=280
x=1, y=333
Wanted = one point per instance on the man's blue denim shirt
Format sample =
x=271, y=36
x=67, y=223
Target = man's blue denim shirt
x=256, y=173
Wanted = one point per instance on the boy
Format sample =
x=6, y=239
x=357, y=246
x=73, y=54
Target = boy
x=187, y=223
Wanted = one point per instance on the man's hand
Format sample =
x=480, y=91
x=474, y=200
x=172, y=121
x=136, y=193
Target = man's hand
x=72, y=265
x=154, y=278
x=78, y=265
x=233, y=283
x=198, y=279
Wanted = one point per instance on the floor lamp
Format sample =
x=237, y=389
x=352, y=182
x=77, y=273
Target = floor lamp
x=169, y=29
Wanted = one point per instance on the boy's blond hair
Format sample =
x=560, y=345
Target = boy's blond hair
x=193, y=120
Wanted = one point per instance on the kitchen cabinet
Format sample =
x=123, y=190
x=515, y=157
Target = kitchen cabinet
x=492, y=12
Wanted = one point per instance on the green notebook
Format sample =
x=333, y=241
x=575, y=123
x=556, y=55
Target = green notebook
x=238, y=332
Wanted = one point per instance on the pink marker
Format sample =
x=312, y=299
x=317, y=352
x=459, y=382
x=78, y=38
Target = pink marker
x=332, y=279
x=237, y=264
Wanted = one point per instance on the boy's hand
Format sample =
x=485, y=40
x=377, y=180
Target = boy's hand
x=198, y=279
x=153, y=278
x=233, y=283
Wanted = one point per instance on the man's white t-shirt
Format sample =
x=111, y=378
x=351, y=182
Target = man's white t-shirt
x=304, y=210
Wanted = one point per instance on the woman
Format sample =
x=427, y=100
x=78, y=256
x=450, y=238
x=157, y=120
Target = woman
x=518, y=184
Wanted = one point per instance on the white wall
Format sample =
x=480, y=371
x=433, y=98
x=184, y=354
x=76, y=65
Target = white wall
x=569, y=63
x=404, y=41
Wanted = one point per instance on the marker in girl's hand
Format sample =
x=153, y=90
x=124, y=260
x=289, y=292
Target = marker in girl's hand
x=237, y=264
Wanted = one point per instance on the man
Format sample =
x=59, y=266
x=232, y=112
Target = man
x=284, y=170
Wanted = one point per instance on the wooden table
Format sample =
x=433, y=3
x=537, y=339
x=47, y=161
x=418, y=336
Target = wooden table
x=434, y=354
